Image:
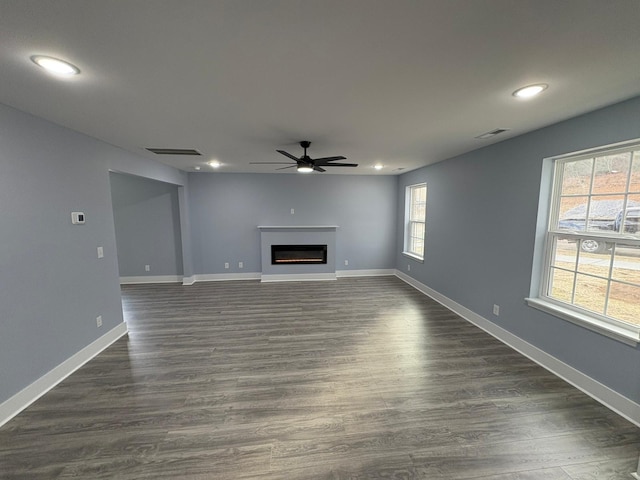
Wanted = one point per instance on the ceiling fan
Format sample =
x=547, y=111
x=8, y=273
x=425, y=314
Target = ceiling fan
x=306, y=164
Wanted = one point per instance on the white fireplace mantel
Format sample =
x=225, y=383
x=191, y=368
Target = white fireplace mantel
x=297, y=227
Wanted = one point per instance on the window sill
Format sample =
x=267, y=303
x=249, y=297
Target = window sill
x=413, y=257
x=628, y=335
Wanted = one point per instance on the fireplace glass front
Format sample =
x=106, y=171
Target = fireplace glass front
x=298, y=254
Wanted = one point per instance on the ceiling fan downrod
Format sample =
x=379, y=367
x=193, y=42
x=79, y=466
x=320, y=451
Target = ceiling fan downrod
x=305, y=144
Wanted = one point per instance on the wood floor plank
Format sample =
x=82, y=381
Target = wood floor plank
x=362, y=378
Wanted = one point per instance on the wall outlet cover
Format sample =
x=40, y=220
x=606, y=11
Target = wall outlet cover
x=77, y=218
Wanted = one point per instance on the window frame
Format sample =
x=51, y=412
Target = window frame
x=409, y=222
x=541, y=277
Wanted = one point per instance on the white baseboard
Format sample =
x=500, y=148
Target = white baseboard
x=380, y=272
x=25, y=397
x=300, y=277
x=151, y=279
x=225, y=277
x=611, y=399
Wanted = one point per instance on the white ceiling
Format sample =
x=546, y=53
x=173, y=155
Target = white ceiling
x=401, y=82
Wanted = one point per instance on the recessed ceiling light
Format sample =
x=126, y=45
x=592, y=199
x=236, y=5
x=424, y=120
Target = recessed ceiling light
x=215, y=164
x=378, y=166
x=530, y=90
x=197, y=167
x=55, y=66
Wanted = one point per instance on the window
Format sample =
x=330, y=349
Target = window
x=592, y=249
x=415, y=218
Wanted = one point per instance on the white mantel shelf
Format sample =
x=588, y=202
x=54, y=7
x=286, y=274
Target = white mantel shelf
x=295, y=227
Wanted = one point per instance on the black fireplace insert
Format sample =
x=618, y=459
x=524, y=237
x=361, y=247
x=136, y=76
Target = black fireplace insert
x=298, y=254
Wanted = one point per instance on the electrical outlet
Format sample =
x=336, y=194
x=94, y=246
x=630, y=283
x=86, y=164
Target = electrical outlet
x=147, y=268
x=100, y=252
x=99, y=321
x=292, y=211
x=496, y=310
x=408, y=268
x=226, y=265
x=240, y=264
x=346, y=262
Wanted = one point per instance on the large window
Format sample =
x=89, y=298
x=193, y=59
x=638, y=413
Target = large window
x=592, y=250
x=415, y=219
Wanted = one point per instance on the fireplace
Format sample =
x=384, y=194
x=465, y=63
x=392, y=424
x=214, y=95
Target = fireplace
x=298, y=254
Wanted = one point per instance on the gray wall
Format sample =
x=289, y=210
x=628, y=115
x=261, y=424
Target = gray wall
x=481, y=229
x=227, y=208
x=147, y=225
x=52, y=285
x=480, y=235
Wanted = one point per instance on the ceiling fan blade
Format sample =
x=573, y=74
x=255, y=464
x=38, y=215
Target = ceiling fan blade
x=340, y=165
x=287, y=154
x=329, y=159
x=269, y=163
x=318, y=169
x=284, y=168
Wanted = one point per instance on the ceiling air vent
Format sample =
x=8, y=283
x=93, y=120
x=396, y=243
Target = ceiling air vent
x=174, y=151
x=492, y=133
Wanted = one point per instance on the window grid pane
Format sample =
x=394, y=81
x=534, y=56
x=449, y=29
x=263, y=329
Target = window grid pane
x=634, y=180
x=418, y=204
x=561, y=285
x=416, y=238
x=623, y=302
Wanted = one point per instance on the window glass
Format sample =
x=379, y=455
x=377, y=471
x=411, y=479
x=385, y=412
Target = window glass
x=593, y=241
x=416, y=220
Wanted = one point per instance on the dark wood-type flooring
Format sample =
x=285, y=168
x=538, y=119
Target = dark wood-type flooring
x=354, y=379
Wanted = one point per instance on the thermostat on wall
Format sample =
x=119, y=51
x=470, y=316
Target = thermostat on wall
x=77, y=218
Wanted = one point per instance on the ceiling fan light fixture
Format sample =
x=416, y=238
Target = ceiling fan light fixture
x=55, y=66
x=304, y=169
x=530, y=90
